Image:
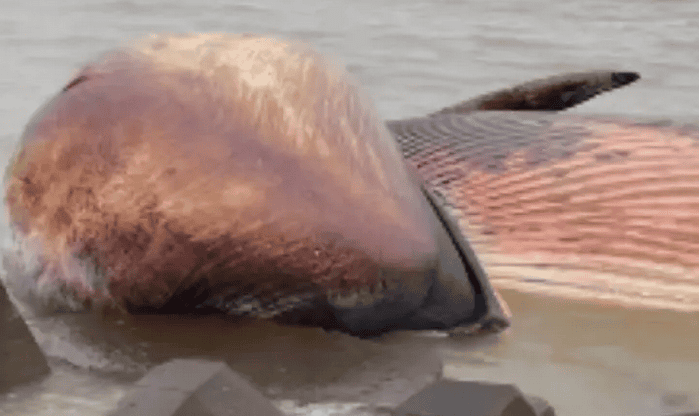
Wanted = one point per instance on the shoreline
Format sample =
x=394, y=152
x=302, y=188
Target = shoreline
x=580, y=356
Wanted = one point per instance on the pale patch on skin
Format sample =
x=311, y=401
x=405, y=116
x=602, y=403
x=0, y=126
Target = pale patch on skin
x=309, y=92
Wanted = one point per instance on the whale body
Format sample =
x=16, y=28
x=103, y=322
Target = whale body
x=247, y=175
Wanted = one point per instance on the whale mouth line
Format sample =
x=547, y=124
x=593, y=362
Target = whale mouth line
x=480, y=307
x=489, y=313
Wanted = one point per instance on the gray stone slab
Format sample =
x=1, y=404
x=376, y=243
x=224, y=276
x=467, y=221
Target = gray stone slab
x=21, y=359
x=459, y=398
x=541, y=406
x=194, y=387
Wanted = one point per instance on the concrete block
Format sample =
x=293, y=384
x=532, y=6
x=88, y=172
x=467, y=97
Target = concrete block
x=21, y=359
x=473, y=398
x=541, y=406
x=194, y=387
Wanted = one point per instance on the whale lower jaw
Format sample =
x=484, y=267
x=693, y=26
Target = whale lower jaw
x=459, y=298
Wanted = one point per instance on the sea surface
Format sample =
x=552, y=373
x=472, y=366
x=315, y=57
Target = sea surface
x=412, y=57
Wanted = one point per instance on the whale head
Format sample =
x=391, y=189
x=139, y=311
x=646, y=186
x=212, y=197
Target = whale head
x=241, y=174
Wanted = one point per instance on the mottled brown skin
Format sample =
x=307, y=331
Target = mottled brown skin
x=154, y=185
x=161, y=261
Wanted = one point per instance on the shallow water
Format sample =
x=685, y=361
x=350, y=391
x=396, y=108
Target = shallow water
x=413, y=58
x=584, y=358
x=590, y=358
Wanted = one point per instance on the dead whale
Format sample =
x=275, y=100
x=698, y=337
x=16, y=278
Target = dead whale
x=247, y=175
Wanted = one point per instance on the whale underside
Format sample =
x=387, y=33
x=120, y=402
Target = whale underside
x=249, y=176
x=587, y=207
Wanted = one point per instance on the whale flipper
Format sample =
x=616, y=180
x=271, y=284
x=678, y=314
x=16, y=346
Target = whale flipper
x=571, y=206
x=547, y=94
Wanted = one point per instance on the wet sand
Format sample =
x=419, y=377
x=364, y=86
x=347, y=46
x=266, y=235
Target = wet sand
x=585, y=358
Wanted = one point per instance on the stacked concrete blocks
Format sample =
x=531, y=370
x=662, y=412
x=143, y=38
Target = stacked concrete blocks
x=194, y=387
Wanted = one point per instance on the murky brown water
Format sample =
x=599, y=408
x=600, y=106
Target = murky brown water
x=585, y=357
x=589, y=358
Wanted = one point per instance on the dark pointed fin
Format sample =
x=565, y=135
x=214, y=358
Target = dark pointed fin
x=569, y=206
x=547, y=94
x=74, y=82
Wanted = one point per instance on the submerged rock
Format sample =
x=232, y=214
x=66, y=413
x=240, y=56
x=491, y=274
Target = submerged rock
x=21, y=359
x=194, y=387
x=456, y=398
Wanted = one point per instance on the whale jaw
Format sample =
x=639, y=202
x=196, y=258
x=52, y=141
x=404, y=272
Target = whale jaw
x=453, y=295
